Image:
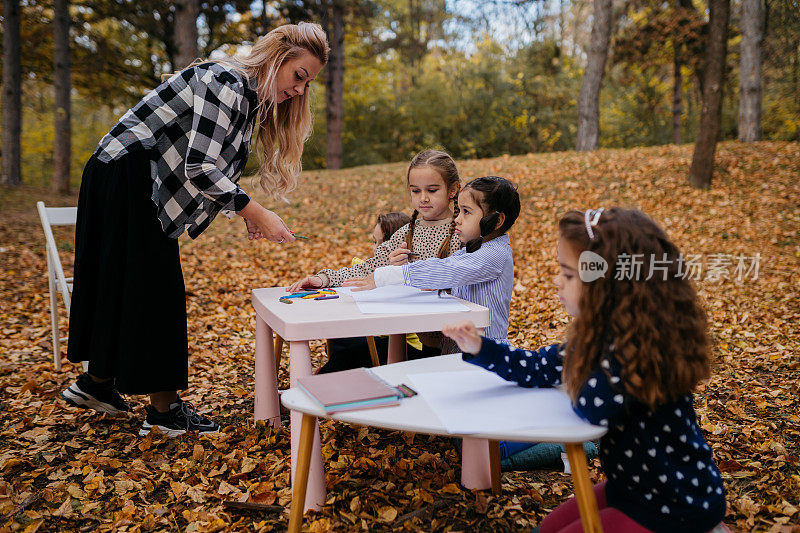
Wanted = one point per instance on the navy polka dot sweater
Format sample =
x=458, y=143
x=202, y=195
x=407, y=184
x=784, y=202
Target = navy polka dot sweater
x=660, y=470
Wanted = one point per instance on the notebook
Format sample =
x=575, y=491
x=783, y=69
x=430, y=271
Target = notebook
x=349, y=390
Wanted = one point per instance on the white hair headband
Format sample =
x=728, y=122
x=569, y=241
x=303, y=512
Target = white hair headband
x=591, y=217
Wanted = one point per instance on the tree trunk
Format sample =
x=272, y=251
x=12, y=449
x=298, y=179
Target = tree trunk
x=713, y=79
x=589, y=95
x=678, y=49
x=677, y=100
x=334, y=86
x=186, y=13
x=750, y=71
x=62, y=86
x=12, y=95
x=265, y=19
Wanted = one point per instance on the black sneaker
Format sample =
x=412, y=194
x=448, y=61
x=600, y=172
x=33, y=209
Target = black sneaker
x=181, y=417
x=89, y=394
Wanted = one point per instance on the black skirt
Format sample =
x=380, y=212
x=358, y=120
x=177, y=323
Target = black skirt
x=128, y=312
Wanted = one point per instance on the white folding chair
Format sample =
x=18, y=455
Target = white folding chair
x=57, y=282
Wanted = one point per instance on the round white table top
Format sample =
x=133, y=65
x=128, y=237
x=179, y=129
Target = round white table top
x=415, y=415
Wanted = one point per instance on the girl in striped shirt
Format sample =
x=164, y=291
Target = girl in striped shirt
x=481, y=272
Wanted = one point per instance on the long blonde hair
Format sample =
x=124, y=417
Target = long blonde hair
x=282, y=128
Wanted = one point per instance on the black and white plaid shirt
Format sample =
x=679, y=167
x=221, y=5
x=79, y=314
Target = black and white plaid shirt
x=197, y=127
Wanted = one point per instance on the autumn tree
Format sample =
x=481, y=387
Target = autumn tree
x=713, y=79
x=657, y=32
x=185, y=36
x=686, y=34
x=152, y=24
x=12, y=91
x=332, y=14
x=589, y=95
x=221, y=29
x=750, y=71
x=781, y=71
x=409, y=27
x=333, y=18
x=62, y=88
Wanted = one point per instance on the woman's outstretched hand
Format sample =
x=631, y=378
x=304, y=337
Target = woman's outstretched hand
x=253, y=233
x=361, y=284
x=309, y=282
x=466, y=336
x=262, y=222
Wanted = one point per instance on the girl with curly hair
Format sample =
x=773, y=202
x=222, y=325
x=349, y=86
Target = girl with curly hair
x=635, y=351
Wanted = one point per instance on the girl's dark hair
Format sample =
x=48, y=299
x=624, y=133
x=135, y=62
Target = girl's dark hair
x=495, y=196
x=655, y=327
x=442, y=163
x=391, y=222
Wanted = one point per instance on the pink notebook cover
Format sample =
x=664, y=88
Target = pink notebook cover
x=346, y=387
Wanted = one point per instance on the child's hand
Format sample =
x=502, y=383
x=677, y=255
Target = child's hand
x=399, y=256
x=465, y=335
x=361, y=284
x=310, y=282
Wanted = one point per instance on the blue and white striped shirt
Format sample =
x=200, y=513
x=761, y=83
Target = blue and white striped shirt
x=484, y=277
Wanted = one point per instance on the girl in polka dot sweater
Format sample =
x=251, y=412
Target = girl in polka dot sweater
x=634, y=352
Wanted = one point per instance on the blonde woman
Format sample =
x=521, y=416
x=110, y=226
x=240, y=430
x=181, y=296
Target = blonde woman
x=170, y=165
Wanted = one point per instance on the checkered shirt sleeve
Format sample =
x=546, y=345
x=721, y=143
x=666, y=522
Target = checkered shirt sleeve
x=197, y=126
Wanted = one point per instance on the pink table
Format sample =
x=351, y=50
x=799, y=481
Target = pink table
x=307, y=320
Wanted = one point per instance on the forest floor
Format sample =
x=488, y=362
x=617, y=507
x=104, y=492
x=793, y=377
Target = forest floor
x=63, y=469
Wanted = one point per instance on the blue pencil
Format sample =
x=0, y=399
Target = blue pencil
x=299, y=294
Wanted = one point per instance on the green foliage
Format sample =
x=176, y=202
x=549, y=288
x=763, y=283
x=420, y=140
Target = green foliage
x=417, y=75
x=781, y=67
x=493, y=101
x=640, y=117
x=89, y=123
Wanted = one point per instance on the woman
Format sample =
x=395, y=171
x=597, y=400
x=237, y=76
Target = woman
x=170, y=165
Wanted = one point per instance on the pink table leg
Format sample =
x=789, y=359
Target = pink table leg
x=397, y=349
x=299, y=366
x=476, y=470
x=267, y=406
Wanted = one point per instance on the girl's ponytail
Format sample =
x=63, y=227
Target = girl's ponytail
x=410, y=234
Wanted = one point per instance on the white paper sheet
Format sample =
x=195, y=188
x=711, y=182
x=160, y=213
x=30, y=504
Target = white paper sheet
x=405, y=300
x=481, y=401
